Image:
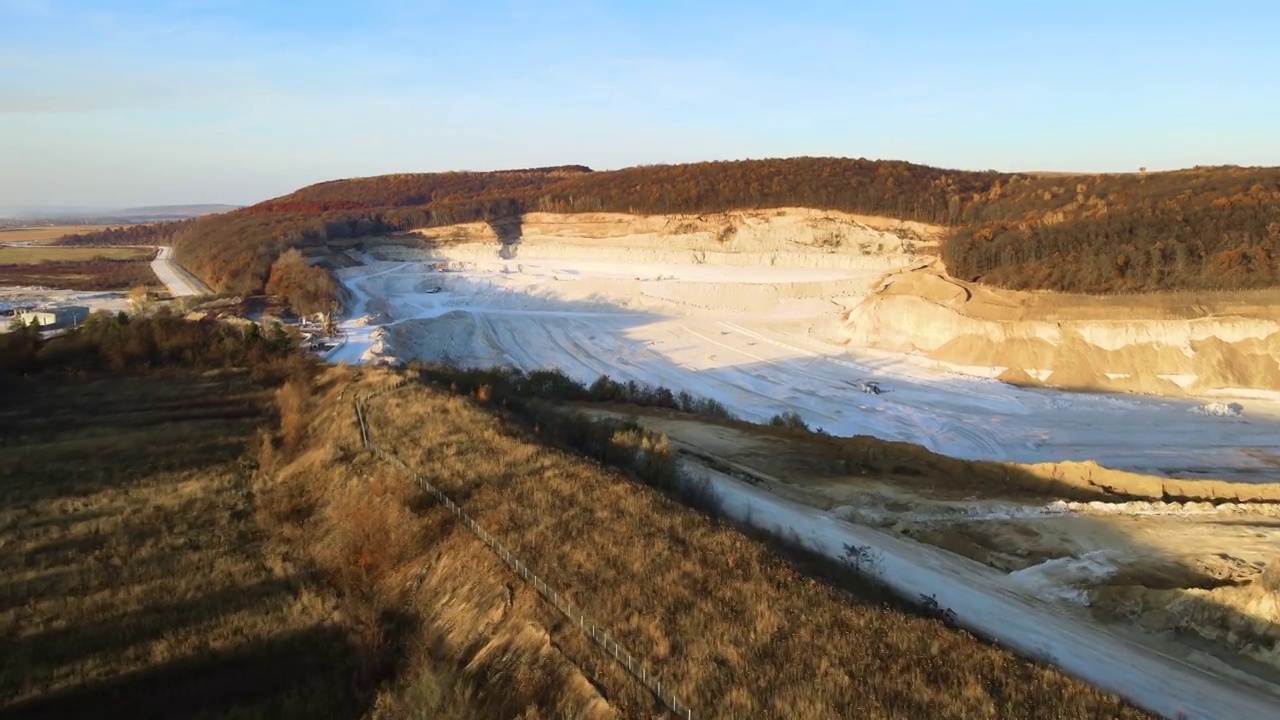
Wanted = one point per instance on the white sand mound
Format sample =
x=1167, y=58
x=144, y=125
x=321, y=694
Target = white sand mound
x=1065, y=578
x=1219, y=409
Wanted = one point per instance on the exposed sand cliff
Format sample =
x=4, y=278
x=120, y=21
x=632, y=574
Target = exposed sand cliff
x=1170, y=344
x=1163, y=344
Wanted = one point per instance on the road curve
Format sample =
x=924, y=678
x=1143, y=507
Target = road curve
x=180, y=282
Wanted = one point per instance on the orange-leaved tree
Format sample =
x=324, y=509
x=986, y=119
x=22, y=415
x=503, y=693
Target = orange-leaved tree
x=309, y=290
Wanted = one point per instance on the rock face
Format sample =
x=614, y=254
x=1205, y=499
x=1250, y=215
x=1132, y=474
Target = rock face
x=1167, y=345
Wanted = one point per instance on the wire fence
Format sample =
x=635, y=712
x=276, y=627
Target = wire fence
x=597, y=634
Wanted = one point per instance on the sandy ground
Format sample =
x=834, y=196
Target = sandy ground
x=180, y=282
x=1167, y=344
x=1186, y=580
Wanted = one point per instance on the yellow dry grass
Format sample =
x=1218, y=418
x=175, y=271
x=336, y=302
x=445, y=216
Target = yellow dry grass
x=41, y=253
x=47, y=233
x=737, y=631
x=134, y=579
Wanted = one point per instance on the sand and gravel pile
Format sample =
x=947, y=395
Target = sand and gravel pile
x=1238, y=610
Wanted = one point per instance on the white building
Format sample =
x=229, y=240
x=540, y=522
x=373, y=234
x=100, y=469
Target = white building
x=58, y=317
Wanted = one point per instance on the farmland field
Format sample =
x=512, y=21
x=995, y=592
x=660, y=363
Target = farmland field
x=46, y=234
x=39, y=254
x=77, y=268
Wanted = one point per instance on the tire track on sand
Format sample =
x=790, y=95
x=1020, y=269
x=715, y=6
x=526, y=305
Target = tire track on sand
x=983, y=444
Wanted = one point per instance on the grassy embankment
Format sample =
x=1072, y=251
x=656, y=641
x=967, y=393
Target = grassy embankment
x=738, y=631
x=136, y=579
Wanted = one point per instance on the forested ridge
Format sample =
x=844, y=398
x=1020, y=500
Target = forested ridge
x=1207, y=227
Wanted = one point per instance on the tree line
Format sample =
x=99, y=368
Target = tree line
x=143, y=345
x=1203, y=227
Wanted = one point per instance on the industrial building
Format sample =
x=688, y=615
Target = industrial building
x=53, y=318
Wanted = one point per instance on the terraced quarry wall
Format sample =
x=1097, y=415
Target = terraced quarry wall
x=1165, y=344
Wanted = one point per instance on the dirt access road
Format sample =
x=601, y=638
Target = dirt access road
x=984, y=604
x=987, y=601
x=180, y=282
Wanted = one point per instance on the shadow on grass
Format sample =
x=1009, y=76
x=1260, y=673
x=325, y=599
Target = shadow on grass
x=304, y=674
x=112, y=635
x=65, y=582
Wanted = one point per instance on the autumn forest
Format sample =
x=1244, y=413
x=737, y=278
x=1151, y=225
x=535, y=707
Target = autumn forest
x=1212, y=227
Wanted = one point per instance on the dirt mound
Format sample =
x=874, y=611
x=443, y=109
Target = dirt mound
x=1090, y=474
x=452, y=338
x=1244, y=617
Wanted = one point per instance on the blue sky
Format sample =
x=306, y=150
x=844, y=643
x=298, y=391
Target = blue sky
x=175, y=101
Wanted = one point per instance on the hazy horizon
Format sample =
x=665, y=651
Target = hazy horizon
x=160, y=102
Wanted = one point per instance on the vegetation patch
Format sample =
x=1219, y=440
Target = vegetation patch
x=135, y=580
x=77, y=268
x=46, y=254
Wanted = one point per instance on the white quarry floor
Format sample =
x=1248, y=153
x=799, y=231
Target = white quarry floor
x=728, y=333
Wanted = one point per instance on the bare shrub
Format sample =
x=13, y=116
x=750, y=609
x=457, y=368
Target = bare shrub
x=291, y=399
x=699, y=494
x=789, y=420
x=266, y=452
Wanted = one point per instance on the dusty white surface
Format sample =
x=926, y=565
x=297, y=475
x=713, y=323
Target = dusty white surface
x=180, y=282
x=1010, y=609
x=760, y=339
x=11, y=297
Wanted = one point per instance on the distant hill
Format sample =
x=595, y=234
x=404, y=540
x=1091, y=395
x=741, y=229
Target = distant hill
x=69, y=215
x=171, y=212
x=1207, y=227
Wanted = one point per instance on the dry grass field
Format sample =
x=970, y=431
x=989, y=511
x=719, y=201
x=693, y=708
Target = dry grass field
x=77, y=268
x=737, y=630
x=40, y=254
x=46, y=234
x=134, y=579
